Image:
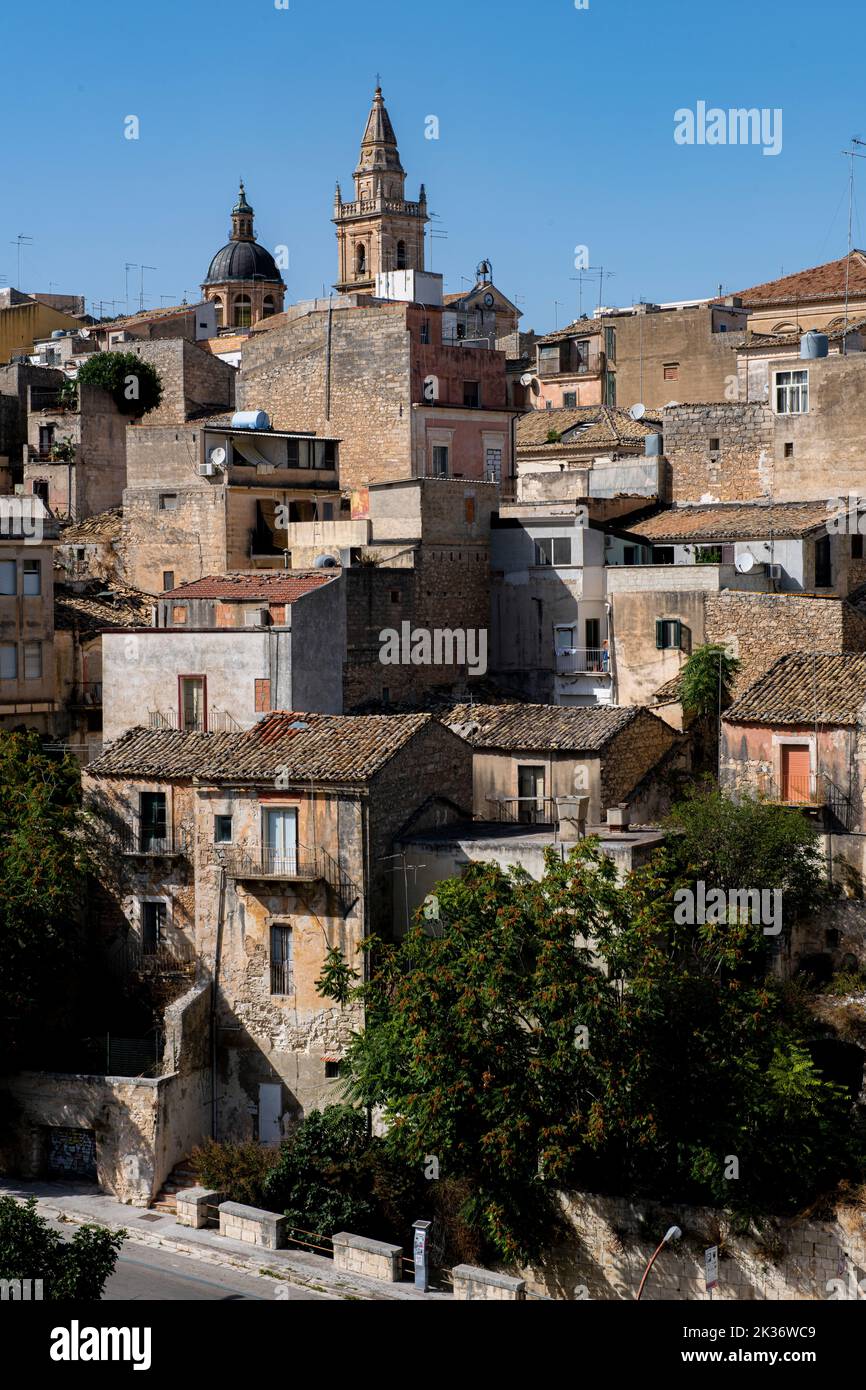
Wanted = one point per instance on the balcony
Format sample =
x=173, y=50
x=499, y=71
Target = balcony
x=341, y=534
x=88, y=695
x=574, y=661
x=809, y=792
x=219, y=721
x=152, y=841
x=259, y=863
x=523, y=810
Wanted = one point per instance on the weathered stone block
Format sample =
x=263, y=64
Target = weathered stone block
x=373, y=1258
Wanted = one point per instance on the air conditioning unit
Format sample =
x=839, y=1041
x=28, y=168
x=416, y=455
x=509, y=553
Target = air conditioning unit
x=774, y=571
x=206, y=470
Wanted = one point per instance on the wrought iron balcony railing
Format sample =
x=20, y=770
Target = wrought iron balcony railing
x=576, y=660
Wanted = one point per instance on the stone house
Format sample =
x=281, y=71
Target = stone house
x=261, y=851
x=575, y=366
x=822, y=297
x=75, y=456
x=679, y=352
x=588, y=451
x=226, y=650
x=28, y=683
x=526, y=757
x=796, y=737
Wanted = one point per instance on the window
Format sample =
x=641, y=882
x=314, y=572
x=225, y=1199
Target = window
x=569, y=399
x=671, y=371
x=401, y=255
x=714, y=446
x=360, y=258
x=32, y=578
x=553, y=550
x=332, y=1070
x=469, y=510
x=330, y=453
x=193, y=714
x=41, y=489
x=243, y=311
x=395, y=595
x=222, y=830
x=8, y=577
x=263, y=696
x=530, y=794
x=167, y=580
x=425, y=331
x=268, y=306
x=789, y=450
x=281, y=959
x=610, y=344
x=8, y=661
x=548, y=361
x=440, y=461
x=153, y=920
x=792, y=393
x=32, y=661
x=629, y=555
x=609, y=389
x=668, y=633
x=472, y=394
x=168, y=501
x=219, y=312
x=592, y=630
x=46, y=439
x=823, y=564
x=708, y=554
x=493, y=465
x=857, y=547
x=662, y=555
x=154, y=828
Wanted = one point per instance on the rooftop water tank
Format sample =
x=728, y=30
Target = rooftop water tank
x=251, y=420
x=814, y=344
x=653, y=445
x=58, y=333
x=325, y=562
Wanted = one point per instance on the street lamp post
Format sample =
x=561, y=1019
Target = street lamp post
x=672, y=1233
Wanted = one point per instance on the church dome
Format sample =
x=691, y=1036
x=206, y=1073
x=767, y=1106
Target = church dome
x=242, y=260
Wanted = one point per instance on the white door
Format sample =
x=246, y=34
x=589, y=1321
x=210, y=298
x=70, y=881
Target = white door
x=270, y=1110
x=281, y=841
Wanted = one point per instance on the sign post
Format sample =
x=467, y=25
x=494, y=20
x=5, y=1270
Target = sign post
x=711, y=1269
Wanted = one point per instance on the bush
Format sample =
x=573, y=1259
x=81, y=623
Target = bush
x=237, y=1170
x=133, y=385
x=75, y=1269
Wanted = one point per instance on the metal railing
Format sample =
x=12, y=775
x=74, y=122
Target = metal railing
x=152, y=839
x=809, y=789
x=282, y=981
x=574, y=660
x=261, y=861
x=523, y=810
x=221, y=722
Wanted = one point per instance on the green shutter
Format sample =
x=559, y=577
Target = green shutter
x=660, y=634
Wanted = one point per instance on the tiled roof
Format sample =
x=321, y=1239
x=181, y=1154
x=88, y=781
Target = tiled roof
x=278, y=586
x=104, y=526
x=765, y=340
x=734, y=521
x=337, y=748
x=670, y=692
x=805, y=688
x=168, y=311
x=825, y=281
x=580, y=328
x=593, y=426
x=540, y=727
x=101, y=605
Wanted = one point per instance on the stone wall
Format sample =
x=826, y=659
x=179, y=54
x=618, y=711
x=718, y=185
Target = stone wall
x=646, y=342
x=740, y=468
x=193, y=379
x=614, y=1238
x=762, y=627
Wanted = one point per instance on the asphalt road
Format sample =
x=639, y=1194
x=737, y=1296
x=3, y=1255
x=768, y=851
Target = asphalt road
x=143, y=1274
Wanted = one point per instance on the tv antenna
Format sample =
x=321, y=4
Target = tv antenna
x=851, y=154
x=21, y=241
x=128, y=266
x=142, y=268
x=587, y=274
x=436, y=234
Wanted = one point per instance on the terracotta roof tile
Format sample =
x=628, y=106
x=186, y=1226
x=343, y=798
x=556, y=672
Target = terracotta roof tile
x=804, y=688
x=100, y=605
x=541, y=727
x=733, y=521
x=580, y=328
x=825, y=281
x=310, y=747
x=104, y=526
x=596, y=426
x=278, y=586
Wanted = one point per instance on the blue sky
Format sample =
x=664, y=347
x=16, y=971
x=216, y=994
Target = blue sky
x=556, y=130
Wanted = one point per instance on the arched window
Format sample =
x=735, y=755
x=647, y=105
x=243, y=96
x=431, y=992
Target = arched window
x=360, y=259
x=268, y=306
x=218, y=304
x=401, y=255
x=243, y=311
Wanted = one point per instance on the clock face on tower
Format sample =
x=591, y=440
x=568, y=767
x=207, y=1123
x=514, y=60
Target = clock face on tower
x=488, y=301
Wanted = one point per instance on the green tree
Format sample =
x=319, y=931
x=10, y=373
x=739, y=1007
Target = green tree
x=43, y=867
x=134, y=385
x=77, y=1269
x=706, y=682
x=572, y=1032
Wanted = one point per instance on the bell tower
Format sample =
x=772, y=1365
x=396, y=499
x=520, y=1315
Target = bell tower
x=380, y=230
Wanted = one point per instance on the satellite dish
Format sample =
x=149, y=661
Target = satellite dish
x=668, y=405
x=638, y=411
x=744, y=564
x=217, y=456
x=526, y=379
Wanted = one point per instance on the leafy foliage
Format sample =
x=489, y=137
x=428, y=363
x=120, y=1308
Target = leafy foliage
x=709, y=671
x=238, y=1170
x=134, y=385
x=531, y=1042
x=43, y=864
x=75, y=1269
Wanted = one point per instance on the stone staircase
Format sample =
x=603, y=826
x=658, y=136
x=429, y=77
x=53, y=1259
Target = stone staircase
x=180, y=1177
